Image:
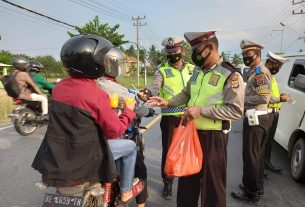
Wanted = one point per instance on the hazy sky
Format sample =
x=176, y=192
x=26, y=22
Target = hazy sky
x=235, y=20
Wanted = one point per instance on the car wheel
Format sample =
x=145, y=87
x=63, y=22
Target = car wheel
x=297, y=162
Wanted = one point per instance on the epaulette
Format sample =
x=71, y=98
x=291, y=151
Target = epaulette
x=229, y=66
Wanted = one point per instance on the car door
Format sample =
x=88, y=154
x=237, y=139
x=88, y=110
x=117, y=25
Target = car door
x=290, y=114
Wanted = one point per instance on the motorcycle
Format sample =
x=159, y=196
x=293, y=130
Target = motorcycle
x=94, y=195
x=26, y=117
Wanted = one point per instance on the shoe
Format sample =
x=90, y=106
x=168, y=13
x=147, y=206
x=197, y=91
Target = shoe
x=245, y=197
x=271, y=167
x=260, y=191
x=107, y=194
x=266, y=176
x=167, y=191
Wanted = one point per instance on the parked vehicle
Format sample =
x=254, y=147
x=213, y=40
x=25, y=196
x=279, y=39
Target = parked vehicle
x=291, y=126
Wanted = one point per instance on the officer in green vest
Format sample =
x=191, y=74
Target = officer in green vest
x=256, y=124
x=274, y=63
x=169, y=80
x=214, y=96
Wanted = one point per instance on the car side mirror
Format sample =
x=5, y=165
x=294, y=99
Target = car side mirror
x=299, y=82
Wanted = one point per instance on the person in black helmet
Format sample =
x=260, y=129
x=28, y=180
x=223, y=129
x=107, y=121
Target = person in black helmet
x=75, y=153
x=42, y=83
x=28, y=89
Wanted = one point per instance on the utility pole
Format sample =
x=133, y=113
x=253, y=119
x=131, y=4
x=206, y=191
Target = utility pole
x=301, y=11
x=280, y=30
x=138, y=24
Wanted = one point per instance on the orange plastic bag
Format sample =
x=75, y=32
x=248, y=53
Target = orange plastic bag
x=184, y=156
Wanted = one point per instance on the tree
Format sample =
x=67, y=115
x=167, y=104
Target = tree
x=188, y=52
x=237, y=59
x=131, y=51
x=226, y=56
x=104, y=30
x=52, y=68
x=5, y=57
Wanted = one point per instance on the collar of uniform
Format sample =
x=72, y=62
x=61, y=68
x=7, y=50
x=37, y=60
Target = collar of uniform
x=170, y=65
x=216, y=64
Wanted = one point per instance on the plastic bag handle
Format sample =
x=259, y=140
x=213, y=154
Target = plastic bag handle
x=184, y=121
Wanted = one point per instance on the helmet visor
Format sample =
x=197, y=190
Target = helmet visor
x=114, y=62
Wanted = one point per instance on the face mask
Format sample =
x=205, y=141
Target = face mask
x=174, y=58
x=198, y=59
x=248, y=60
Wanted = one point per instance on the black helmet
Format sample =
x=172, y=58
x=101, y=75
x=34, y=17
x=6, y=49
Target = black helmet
x=20, y=63
x=36, y=66
x=87, y=56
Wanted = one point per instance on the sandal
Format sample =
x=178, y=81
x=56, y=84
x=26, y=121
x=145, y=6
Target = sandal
x=136, y=189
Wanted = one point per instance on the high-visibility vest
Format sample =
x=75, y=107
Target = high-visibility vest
x=275, y=92
x=207, y=90
x=174, y=80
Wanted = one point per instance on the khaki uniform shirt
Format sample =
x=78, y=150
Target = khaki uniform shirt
x=233, y=98
x=258, y=89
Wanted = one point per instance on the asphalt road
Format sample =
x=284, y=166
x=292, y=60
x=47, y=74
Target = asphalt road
x=17, y=178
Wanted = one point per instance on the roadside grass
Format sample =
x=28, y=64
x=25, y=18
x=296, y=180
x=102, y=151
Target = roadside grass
x=128, y=81
x=6, y=106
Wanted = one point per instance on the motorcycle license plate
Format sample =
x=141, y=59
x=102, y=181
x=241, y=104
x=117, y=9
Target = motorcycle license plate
x=54, y=200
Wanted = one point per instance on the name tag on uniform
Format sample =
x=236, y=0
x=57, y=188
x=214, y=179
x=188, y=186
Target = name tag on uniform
x=169, y=73
x=194, y=77
x=214, y=80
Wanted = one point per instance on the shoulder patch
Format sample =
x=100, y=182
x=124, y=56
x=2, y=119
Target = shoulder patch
x=168, y=73
x=234, y=80
x=260, y=79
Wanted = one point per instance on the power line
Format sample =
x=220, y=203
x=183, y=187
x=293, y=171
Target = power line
x=98, y=9
x=37, y=13
x=111, y=9
x=58, y=25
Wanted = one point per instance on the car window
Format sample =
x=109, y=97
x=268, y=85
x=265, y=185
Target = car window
x=298, y=68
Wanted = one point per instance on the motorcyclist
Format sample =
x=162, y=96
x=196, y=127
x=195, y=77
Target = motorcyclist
x=108, y=83
x=28, y=89
x=76, y=151
x=42, y=83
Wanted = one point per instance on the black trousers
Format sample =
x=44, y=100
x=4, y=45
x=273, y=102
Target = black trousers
x=167, y=125
x=254, y=140
x=213, y=176
x=270, y=139
x=141, y=173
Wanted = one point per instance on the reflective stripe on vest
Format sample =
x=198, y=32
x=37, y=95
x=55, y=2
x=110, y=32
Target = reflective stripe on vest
x=207, y=90
x=275, y=92
x=174, y=81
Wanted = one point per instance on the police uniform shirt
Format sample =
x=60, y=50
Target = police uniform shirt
x=258, y=89
x=233, y=98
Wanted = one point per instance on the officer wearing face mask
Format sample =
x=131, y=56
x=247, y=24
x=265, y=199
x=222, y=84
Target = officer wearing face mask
x=214, y=96
x=274, y=63
x=169, y=79
x=256, y=124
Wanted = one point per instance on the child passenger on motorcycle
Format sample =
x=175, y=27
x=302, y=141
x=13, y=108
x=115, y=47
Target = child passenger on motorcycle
x=110, y=86
x=74, y=153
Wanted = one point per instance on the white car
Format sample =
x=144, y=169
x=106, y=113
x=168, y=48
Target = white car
x=290, y=131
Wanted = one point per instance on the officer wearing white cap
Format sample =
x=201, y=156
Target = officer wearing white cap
x=215, y=96
x=256, y=124
x=274, y=63
x=169, y=79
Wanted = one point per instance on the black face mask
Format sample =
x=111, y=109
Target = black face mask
x=174, y=58
x=274, y=71
x=249, y=60
x=198, y=59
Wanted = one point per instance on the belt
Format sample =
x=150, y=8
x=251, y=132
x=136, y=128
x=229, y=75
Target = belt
x=258, y=113
x=273, y=110
x=172, y=110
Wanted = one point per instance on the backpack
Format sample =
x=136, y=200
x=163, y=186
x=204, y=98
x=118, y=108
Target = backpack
x=11, y=85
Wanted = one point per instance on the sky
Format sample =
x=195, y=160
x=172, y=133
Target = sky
x=234, y=20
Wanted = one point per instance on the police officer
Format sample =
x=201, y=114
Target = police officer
x=274, y=63
x=169, y=80
x=215, y=96
x=256, y=124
